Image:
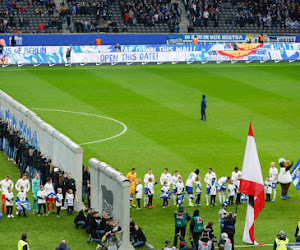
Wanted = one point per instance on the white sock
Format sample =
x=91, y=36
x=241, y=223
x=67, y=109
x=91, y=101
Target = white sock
x=274, y=193
x=174, y=198
x=145, y=200
x=207, y=196
x=224, y=196
x=190, y=199
x=220, y=197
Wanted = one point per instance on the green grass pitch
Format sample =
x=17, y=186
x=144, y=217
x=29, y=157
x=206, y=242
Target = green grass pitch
x=161, y=107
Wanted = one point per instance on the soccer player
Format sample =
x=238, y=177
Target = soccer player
x=36, y=184
x=222, y=188
x=5, y=184
x=207, y=179
x=198, y=191
x=23, y=182
x=49, y=192
x=273, y=174
x=166, y=176
x=235, y=174
x=132, y=177
x=146, y=181
x=189, y=186
x=174, y=181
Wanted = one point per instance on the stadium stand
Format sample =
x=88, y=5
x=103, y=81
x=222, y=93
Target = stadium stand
x=149, y=16
x=246, y=16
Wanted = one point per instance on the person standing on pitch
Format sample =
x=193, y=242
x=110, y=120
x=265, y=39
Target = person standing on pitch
x=208, y=179
x=131, y=176
x=174, y=181
x=203, y=108
x=189, y=185
x=146, y=181
x=273, y=175
x=229, y=227
x=222, y=188
x=181, y=218
x=196, y=227
x=68, y=56
x=280, y=241
x=285, y=177
x=222, y=214
x=166, y=176
x=23, y=244
x=297, y=234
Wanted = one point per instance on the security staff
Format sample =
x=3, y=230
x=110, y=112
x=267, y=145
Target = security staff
x=196, y=227
x=280, y=241
x=195, y=40
x=23, y=244
x=98, y=41
x=181, y=217
x=297, y=234
x=261, y=38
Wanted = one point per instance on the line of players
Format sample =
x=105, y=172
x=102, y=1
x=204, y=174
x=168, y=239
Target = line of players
x=42, y=195
x=213, y=187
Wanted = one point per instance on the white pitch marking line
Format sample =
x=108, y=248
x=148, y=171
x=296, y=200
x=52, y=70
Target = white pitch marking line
x=241, y=65
x=100, y=116
x=265, y=245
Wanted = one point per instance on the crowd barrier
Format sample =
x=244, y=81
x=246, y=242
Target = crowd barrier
x=62, y=150
x=36, y=55
x=110, y=194
x=139, y=39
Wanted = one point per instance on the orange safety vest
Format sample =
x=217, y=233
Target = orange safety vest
x=261, y=38
x=195, y=40
x=98, y=41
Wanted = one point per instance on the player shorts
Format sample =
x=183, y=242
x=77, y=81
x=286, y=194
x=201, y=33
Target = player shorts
x=189, y=190
x=146, y=191
x=3, y=197
x=132, y=190
x=274, y=185
x=208, y=190
x=222, y=188
x=174, y=190
x=48, y=200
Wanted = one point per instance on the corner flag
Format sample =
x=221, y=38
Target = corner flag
x=252, y=184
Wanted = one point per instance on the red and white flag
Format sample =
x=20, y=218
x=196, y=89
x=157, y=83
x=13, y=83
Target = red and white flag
x=252, y=184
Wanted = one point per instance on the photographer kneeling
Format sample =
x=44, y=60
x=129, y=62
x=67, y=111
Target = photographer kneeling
x=110, y=240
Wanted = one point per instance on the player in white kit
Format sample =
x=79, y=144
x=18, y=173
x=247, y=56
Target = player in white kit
x=174, y=181
x=166, y=176
x=207, y=179
x=273, y=174
x=5, y=183
x=189, y=185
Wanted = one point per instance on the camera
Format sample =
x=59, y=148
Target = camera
x=114, y=230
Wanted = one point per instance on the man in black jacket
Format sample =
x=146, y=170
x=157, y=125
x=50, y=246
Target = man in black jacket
x=85, y=182
x=1, y=134
x=17, y=138
x=70, y=184
x=229, y=227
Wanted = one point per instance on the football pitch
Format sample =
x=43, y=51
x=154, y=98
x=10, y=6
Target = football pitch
x=160, y=106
